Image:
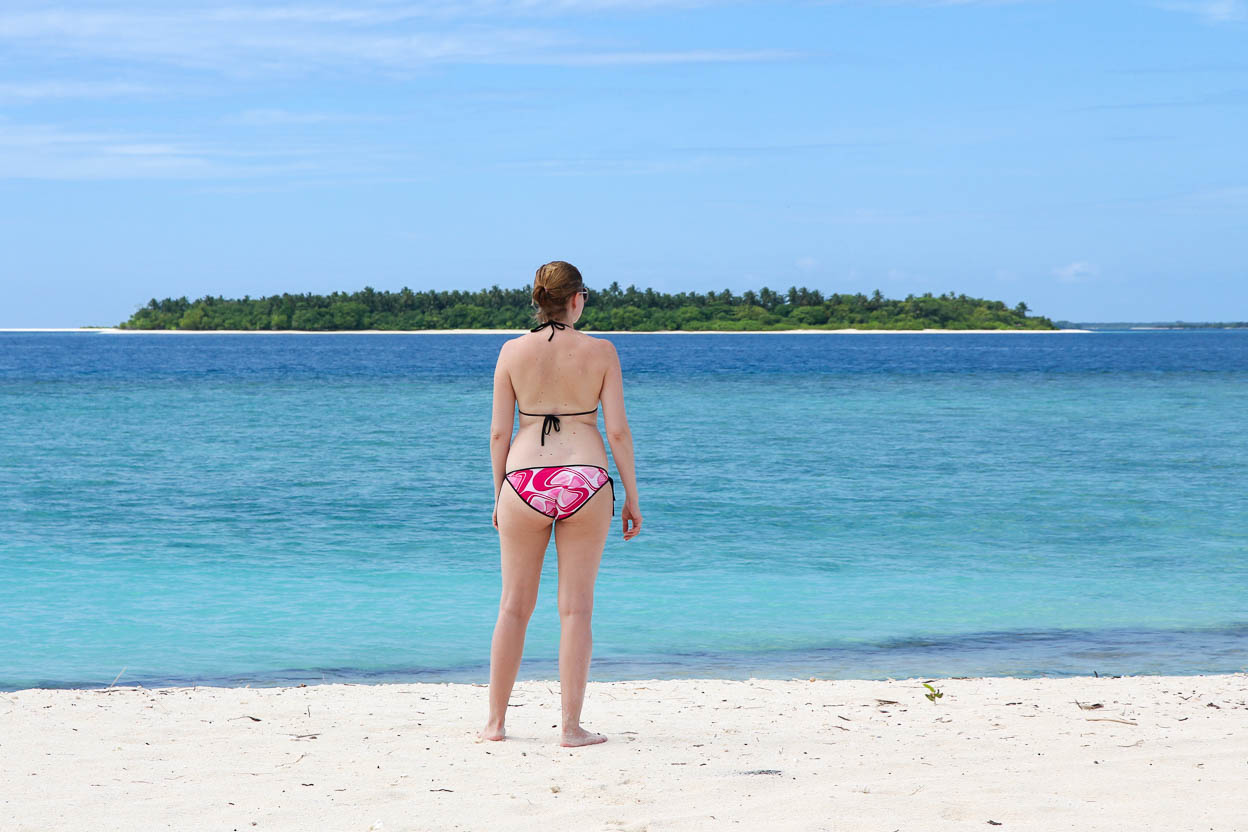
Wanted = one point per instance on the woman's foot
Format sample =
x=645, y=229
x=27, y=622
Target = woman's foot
x=579, y=736
x=491, y=732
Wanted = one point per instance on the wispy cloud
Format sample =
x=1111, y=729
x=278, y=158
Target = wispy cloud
x=689, y=56
x=274, y=117
x=788, y=147
x=373, y=13
x=931, y=3
x=267, y=160
x=1186, y=69
x=49, y=151
x=1076, y=272
x=603, y=167
x=303, y=183
x=1225, y=98
x=292, y=40
x=1214, y=11
x=1217, y=199
x=37, y=90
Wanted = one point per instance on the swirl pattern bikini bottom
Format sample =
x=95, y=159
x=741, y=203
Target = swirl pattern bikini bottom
x=560, y=491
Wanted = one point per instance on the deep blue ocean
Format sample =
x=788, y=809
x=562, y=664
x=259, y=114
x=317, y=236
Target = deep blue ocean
x=264, y=509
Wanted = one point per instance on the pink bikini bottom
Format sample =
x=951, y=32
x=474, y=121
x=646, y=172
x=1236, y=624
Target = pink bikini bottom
x=560, y=491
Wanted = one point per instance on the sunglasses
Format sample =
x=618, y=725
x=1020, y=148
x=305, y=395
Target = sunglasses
x=585, y=292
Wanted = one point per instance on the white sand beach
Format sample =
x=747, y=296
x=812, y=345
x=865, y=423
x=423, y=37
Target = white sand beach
x=1130, y=753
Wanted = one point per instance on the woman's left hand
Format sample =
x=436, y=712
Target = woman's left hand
x=496, y=517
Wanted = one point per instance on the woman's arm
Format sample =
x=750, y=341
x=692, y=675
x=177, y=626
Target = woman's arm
x=502, y=421
x=621, y=439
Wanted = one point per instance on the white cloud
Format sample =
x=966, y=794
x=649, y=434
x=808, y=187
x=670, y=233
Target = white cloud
x=807, y=263
x=284, y=118
x=380, y=13
x=603, y=166
x=1217, y=200
x=145, y=150
x=690, y=56
x=35, y=90
x=1076, y=272
x=61, y=152
x=46, y=151
x=290, y=40
x=1215, y=11
x=1235, y=197
x=923, y=2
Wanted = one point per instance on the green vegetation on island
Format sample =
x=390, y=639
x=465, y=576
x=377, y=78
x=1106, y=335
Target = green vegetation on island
x=612, y=308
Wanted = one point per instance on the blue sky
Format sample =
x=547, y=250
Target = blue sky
x=1087, y=158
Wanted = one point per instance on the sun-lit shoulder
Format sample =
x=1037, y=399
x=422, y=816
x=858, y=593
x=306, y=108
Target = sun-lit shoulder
x=506, y=351
x=608, y=348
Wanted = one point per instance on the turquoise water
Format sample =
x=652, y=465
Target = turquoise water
x=234, y=509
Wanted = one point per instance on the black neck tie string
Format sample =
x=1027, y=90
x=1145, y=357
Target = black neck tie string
x=553, y=326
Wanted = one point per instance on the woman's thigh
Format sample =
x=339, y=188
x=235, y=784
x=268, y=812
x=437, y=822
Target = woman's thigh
x=523, y=536
x=579, y=540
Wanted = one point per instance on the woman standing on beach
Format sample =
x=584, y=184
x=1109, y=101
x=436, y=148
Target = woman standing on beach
x=550, y=476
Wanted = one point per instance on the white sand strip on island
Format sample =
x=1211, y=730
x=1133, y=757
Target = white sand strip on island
x=1130, y=753
x=113, y=331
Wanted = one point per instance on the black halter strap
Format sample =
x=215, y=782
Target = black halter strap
x=553, y=326
x=551, y=422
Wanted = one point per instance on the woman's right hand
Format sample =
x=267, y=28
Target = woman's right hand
x=630, y=512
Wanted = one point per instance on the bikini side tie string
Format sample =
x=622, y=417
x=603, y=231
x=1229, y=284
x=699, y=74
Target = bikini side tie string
x=553, y=326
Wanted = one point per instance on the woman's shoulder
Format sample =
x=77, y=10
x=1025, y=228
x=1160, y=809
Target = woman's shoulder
x=598, y=340
x=597, y=343
x=601, y=343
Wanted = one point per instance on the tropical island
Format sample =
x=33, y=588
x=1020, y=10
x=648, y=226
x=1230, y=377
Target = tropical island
x=613, y=308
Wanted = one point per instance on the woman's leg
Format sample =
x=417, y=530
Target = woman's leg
x=523, y=536
x=579, y=540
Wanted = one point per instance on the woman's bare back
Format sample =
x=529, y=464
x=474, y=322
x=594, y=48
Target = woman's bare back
x=559, y=375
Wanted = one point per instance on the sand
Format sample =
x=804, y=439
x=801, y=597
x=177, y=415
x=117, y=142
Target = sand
x=1142, y=753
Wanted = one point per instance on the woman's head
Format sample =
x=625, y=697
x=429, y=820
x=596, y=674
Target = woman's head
x=557, y=293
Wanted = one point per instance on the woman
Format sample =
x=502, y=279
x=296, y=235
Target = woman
x=551, y=475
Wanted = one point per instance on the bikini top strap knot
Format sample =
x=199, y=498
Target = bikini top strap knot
x=551, y=420
x=553, y=326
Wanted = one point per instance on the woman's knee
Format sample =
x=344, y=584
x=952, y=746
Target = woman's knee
x=576, y=606
x=517, y=609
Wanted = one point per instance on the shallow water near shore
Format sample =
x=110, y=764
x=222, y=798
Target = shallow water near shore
x=227, y=509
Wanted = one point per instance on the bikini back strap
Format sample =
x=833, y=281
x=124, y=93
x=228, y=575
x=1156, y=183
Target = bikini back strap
x=551, y=420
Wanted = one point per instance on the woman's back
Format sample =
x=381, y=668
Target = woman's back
x=561, y=375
